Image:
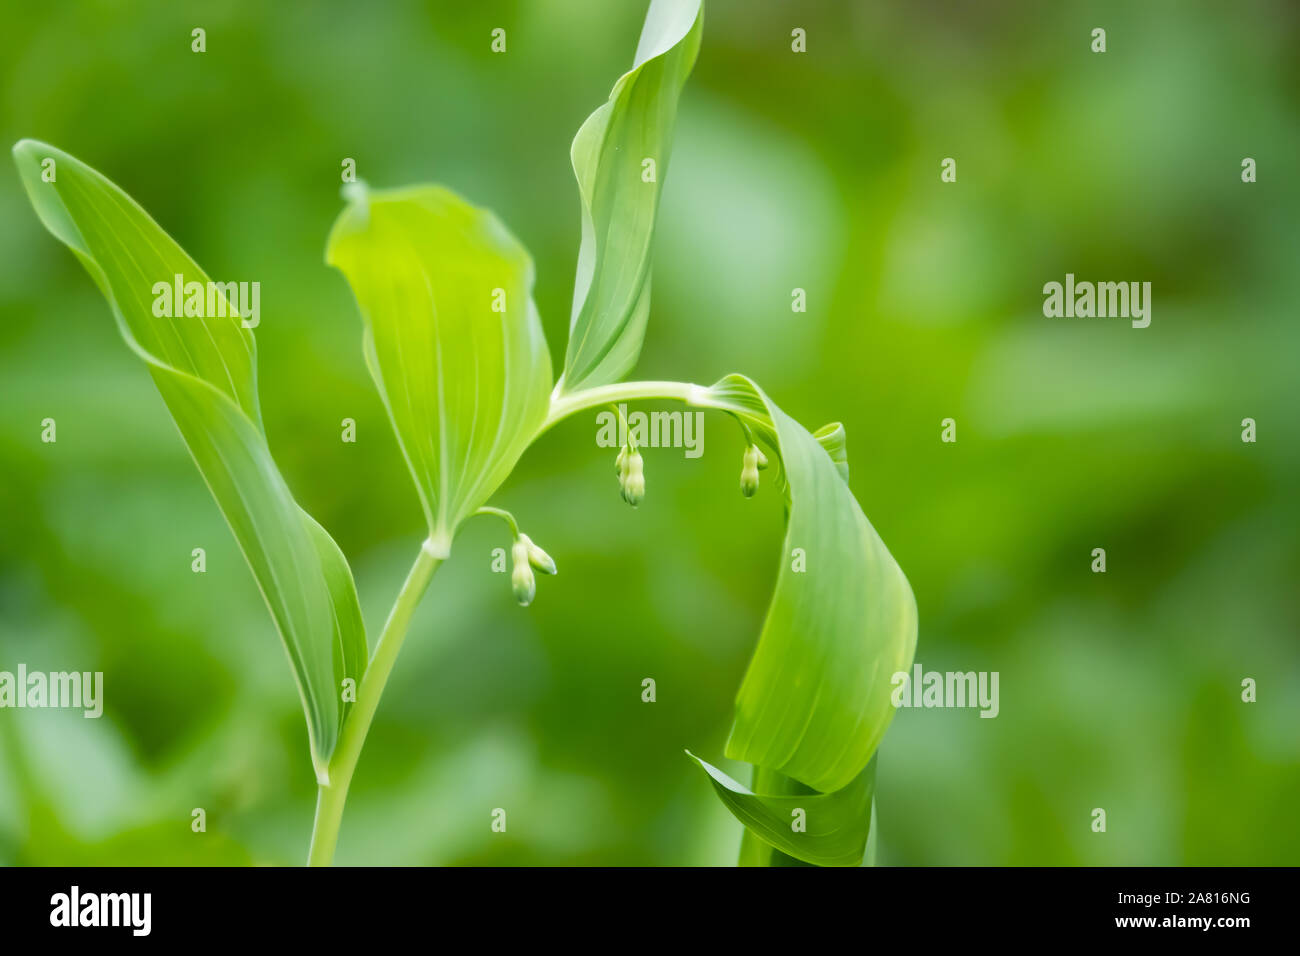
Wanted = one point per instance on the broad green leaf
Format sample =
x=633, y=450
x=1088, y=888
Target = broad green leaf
x=205, y=369
x=611, y=297
x=452, y=339
x=834, y=825
x=816, y=698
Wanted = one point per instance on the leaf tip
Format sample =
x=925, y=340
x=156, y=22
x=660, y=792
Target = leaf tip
x=356, y=193
x=28, y=150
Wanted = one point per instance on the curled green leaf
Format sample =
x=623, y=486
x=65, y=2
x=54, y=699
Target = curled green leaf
x=825, y=829
x=834, y=439
x=815, y=700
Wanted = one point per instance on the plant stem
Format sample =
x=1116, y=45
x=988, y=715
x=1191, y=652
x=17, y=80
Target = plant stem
x=504, y=515
x=331, y=797
x=562, y=406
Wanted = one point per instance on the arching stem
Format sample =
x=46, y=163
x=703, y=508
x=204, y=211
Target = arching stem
x=565, y=405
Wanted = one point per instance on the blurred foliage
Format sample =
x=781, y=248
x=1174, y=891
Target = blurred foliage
x=819, y=171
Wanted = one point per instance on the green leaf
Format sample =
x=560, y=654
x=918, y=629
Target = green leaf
x=834, y=439
x=205, y=369
x=452, y=339
x=816, y=698
x=835, y=825
x=755, y=851
x=611, y=298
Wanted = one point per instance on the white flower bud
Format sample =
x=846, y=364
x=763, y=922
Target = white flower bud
x=634, y=479
x=537, y=557
x=521, y=576
x=749, y=472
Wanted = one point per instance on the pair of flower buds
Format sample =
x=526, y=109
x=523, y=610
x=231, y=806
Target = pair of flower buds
x=754, y=462
x=631, y=473
x=526, y=556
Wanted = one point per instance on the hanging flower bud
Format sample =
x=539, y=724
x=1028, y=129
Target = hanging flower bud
x=620, y=465
x=749, y=472
x=762, y=459
x=537, y=557
x=633, y=479
x=521, y=576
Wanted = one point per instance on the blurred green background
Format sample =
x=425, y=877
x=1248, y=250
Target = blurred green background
x=820, y=171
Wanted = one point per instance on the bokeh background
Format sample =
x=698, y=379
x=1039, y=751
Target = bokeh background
x=820, y=171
